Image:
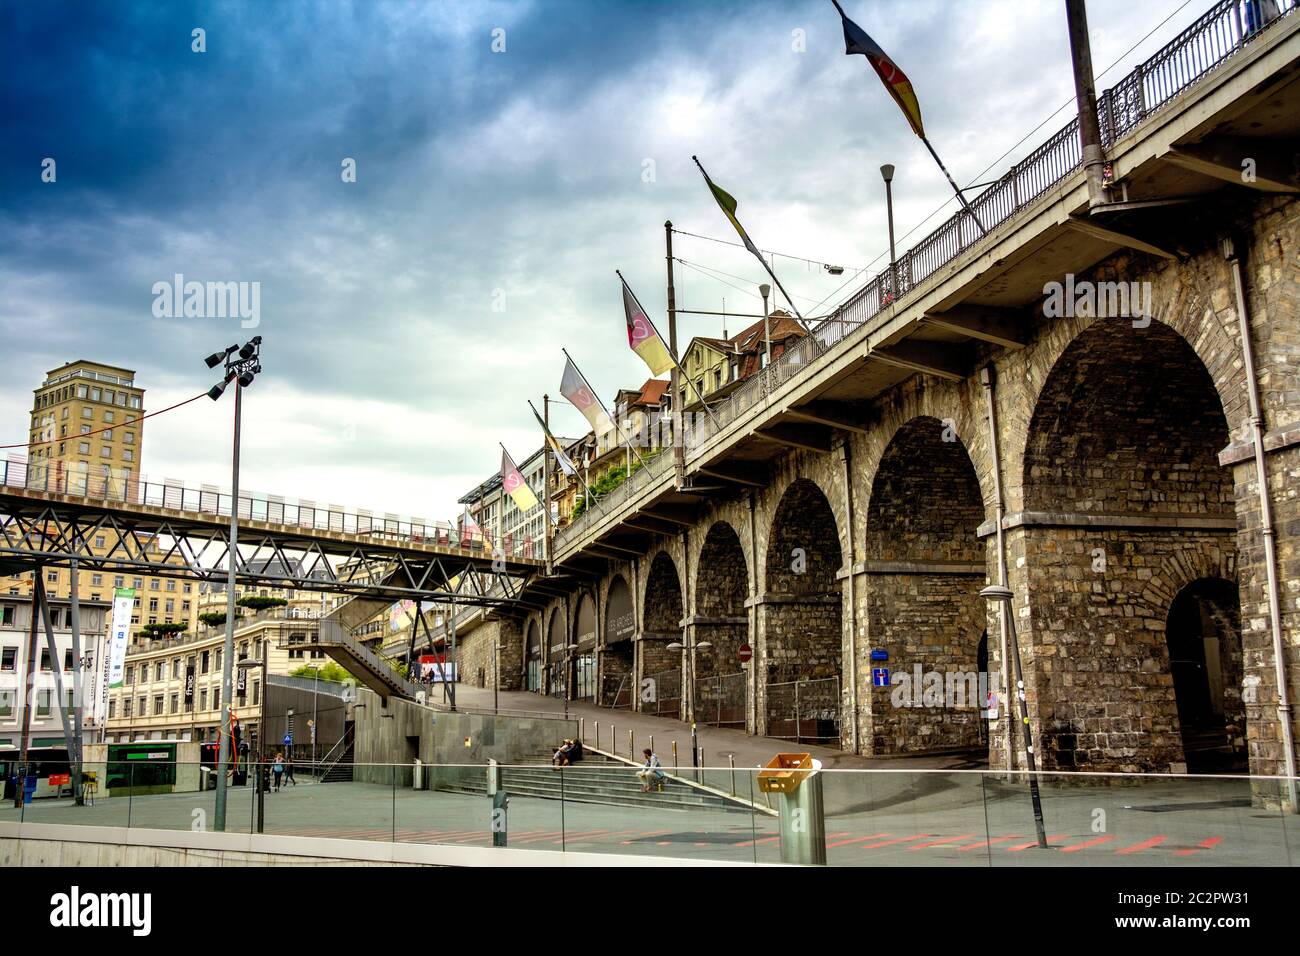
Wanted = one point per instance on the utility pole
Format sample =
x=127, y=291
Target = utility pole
x=678, y=397
x=1085, y=93
x=547, y=530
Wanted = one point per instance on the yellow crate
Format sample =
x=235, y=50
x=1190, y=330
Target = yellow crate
x=784, y=773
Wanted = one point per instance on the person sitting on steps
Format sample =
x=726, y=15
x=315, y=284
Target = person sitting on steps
x=651, y=774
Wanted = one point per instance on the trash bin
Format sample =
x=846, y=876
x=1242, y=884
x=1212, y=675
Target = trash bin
x=29, y=788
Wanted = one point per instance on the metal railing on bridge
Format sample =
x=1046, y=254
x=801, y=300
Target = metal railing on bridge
x=121, y=487
x=1223, y=30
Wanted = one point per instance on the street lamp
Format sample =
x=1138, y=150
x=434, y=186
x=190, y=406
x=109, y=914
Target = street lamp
x=568, y=674
x=255, y=756
x=765, y=290
x=887, y=173
x=242, y=363
x=1003, y=595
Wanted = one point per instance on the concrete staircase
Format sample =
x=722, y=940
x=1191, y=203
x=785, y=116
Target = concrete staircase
x=598, y=778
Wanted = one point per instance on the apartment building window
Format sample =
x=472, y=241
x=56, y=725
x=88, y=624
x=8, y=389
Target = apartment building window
x=203, y=699
x=126, y=706
x=52, y=577
x=95, y=395
x=153, y=585
x=108, y=434
x=112, y=708
x=169, y=606
x=85, y=429
x=256, y=690
x=144, y=703
x=135, y=401
x=159, y=671
x=45, y=659
x=43, y=703
x=153, y=604
x=203, y=662
x=7, y=615
x=171, y=584
x=87, y=412
x=108, y=418
x=119, y=581
x=176, y=703
x=9, y=659
x=158, y=705
x=96, y=580
x=137, y=583
x=185, y=606
x=6, y=703
x=67, y=659
x=176, y=668
x=81, y=391
x=185, y=588
x=216, y=698
x=128, y=674
x=128, y=437
x=136, y=601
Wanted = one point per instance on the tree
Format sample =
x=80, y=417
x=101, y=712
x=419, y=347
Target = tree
x=152, y=631
x=330, y=671
x=259, y=603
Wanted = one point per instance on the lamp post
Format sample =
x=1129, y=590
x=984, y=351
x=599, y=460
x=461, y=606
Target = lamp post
x=255, y=762
x=887, y=173
x=1003, y=595
x=765, y=290
x=241, y=365
x=568, y=674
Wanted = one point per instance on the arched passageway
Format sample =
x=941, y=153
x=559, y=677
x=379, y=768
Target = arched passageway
x=555, y=641
x=617, y=655
x=1125, y=503
x=661, y=667
x=800, y=653
x=1203, y=634
x=720, y=627
x=926, y=567
x=533, y=657
x=582, y=653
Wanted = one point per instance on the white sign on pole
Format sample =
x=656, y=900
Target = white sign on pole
x=123, y=603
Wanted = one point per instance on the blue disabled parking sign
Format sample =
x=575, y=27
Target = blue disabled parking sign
x=880, y=676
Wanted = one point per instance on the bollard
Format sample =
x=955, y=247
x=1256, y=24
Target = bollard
x=613, y=739
x=699, y=773
x=581, y=727
x=500, y=804
x=731, y=762
x=631, y=743
x=596, y=726
x=674, y=755
x=652, y=743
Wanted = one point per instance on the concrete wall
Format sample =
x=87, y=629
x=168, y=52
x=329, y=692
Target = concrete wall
x=403, y=731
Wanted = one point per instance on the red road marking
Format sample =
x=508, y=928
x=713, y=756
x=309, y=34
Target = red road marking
x=914, y=836
x=1144, y=845
x=1209, y=844
x=648, y=833
x=874, y=836
x=1025, y=846
x=922, y=846
x=1085, y=844
x=985, y=843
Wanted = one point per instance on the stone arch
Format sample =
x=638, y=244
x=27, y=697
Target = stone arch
x=618, y=643
x=720, y=620
x=801, y=628
x=1122, y=495
x=554, y=651
x=582, y=660
x=662, y=614
x=533, y=655
x=926, y=565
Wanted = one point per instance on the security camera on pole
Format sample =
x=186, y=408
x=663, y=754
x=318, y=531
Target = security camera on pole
x=241, y=365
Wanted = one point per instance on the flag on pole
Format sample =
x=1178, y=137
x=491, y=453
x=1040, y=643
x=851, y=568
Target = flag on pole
x=895, y=80
x=728, y=204
x=469, y=529
x=566, y=465
x=574, y=388
x=514, y=484
x=642, y=335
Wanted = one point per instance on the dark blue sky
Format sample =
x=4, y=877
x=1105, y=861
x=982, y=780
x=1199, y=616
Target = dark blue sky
x=407, y=316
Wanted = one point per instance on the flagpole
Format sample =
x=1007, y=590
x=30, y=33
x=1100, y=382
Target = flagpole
x=546, y=429
x=672, y=348
x=960, y=198
x=789, y=301
x=602, y=405
x=546, y=485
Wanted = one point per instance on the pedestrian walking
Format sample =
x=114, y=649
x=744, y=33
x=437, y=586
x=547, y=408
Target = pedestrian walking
x=277, y=772
x=288, y=770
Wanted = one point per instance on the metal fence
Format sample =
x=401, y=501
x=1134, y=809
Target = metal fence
x=1218, y=34
x=720, y=700
x=805, y=711
x=119, y=486
x=665, y=694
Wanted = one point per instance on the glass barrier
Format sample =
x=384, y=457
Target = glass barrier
x=870, y=817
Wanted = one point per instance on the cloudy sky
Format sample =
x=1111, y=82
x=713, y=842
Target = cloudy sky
x=409, y=314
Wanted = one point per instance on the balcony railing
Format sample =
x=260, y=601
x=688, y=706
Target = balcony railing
x=1222, y=31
